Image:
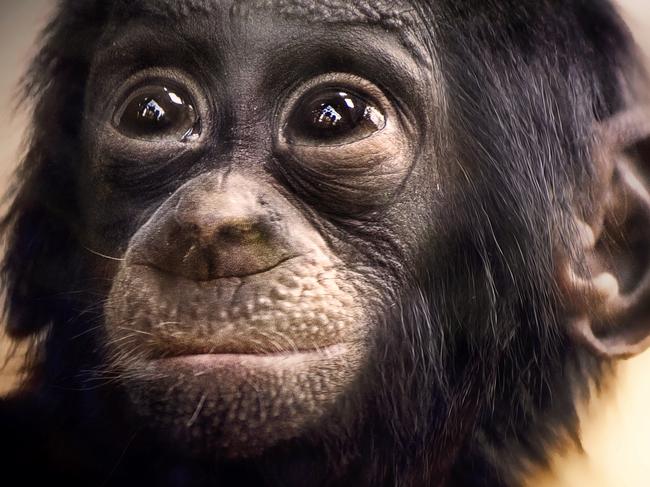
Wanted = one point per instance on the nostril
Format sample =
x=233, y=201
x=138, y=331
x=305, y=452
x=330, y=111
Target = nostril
x=181, y=235
x=193, y=230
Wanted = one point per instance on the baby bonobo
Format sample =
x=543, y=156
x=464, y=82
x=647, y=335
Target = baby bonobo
x=322, y=243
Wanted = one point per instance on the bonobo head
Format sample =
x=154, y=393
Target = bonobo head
x=390, y=242
x=266, y=192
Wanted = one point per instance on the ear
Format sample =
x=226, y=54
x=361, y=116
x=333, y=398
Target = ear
x=608, y=294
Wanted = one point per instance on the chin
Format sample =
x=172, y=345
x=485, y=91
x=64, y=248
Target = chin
x=239, y=405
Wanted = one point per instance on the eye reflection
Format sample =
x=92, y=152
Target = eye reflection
x=333, y=116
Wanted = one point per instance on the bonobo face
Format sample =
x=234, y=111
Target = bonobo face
x=254, y=167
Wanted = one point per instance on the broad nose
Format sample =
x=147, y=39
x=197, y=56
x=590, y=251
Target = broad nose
x=218, y=219
x=214, y=230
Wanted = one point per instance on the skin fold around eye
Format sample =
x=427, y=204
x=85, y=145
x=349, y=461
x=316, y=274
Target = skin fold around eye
x=342, y=141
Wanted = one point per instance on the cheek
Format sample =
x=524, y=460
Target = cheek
x=352, y=178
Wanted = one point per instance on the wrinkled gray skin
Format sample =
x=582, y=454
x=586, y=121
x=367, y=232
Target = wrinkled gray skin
x=253, y=269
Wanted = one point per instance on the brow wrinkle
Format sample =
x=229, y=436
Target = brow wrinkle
x=391, y=14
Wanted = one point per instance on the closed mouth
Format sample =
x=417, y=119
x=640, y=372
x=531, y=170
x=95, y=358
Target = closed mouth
x=285, y=359
x=283, y=262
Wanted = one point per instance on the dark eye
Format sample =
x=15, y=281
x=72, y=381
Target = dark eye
x=333, y=116
x=158, y=112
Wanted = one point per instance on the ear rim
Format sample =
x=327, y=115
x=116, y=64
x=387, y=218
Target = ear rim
x=595, y=303
x=609, y=348
x=624, y=130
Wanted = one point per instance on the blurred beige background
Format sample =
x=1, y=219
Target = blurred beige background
x=616, y=426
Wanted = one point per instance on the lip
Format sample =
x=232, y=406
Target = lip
x=282, y=262
x=269, y=361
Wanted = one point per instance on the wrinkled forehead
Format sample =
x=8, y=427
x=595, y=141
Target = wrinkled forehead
x=392, y=14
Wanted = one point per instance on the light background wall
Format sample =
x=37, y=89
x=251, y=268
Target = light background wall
x=616, y=426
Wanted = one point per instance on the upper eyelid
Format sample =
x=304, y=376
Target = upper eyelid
x=144, y=79
x=108, y=99
x=334, y=79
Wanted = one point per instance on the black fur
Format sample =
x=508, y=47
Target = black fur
x=468, y=396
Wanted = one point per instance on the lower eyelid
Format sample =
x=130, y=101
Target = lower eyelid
x=375, y=147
